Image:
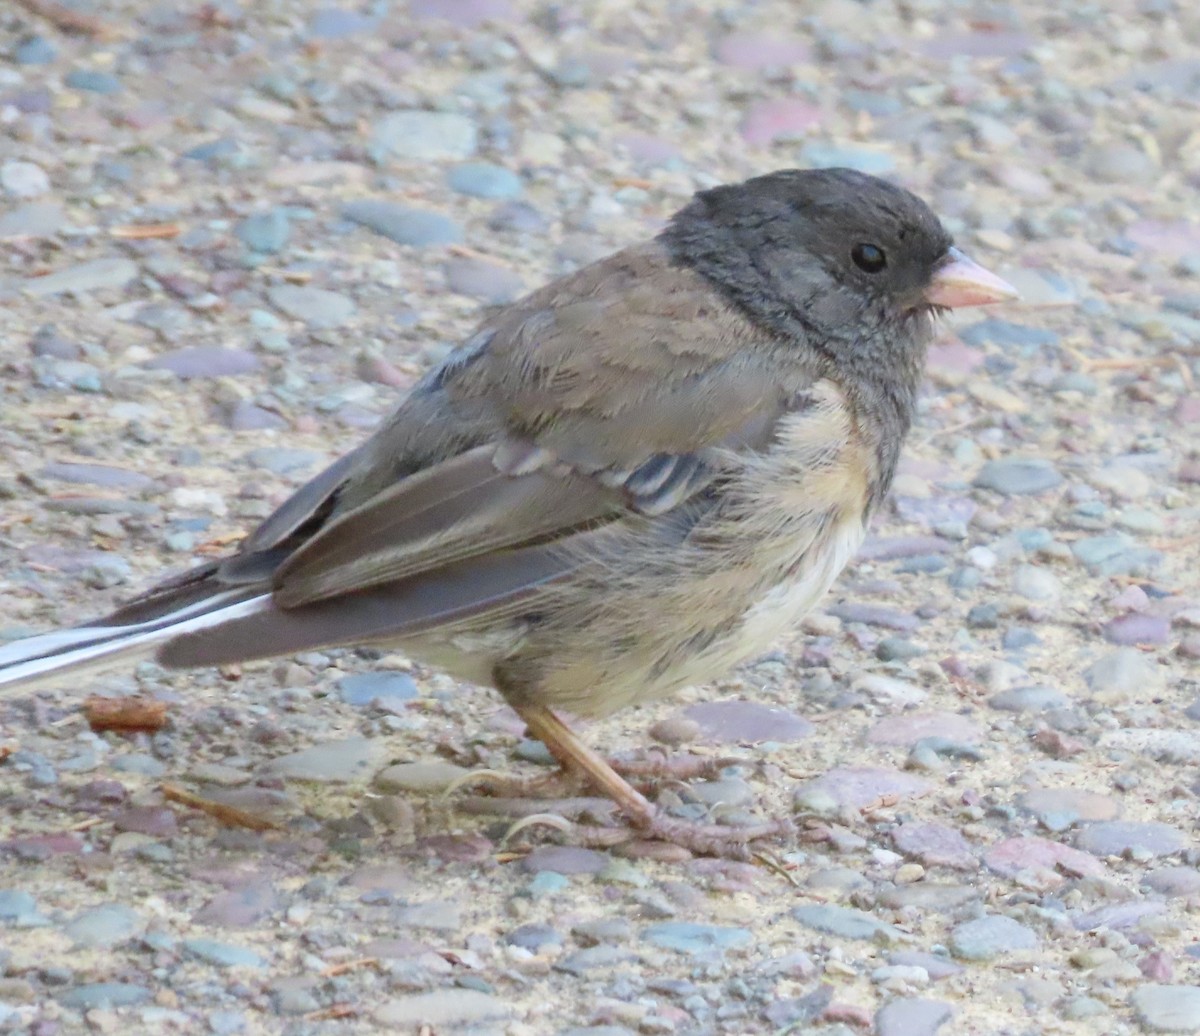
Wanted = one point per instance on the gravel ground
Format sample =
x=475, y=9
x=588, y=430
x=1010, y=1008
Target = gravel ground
x=231, y=235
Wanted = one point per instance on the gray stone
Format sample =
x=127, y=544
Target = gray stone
x=1162, y=1008
x=428, y=777
x=334, y=762
x=1006, y=333
x=912, y=1016
x=441, y=1007
x=315, y=307
x=105, y=925
x=437, y=915
x=821, y=155
x=104, y=994
x=484, y=180
x=1117, y=837
x=266, y=232
x=1115, y=554
x=844, y=922
x=93, y=275
x=36, y=219
x=685, y=937
x=1124, y=674
x=593, y=958
x=23, y=180
x=16, y=905
x=423, y=136
x=104, y=475
x=206, y=361
x=367, y=688
x=104, y=83
x=1018, y=476
x=222, y=954
x=404, y=224
x=35, y=50
x=282, y=460
x=988, y=937
x=483, y=279
x=1029, y=699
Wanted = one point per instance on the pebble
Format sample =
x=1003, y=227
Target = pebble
x=565, y=860
x=484, y=180
x=1060, y=808
x=93, y=275
x=864, y=158
x=440, y=1008
x=34, y=219
x=1039, y=860
x=104, y=994
x=685, y=937
x=935, y=845
x=35, y=50
x=413, y=136
x=388, y=689
x=24, y=179
x=781, y=118
x=844, y=922
x=104, y=925
x=1123, y=675
x=1149, y=838
x=206, y=361
x=912, y=1016
x=1174, y=881
x=1035, y=583
x=404, y=224
x=265, y=232
x=856, y=787
x=483, y=279
x=988, y=937
x=242, y=906
x=321, y=310
x=1019, y=476
x=1029, y=699
x=351, y=759
x=89, y=81
x=106, y=475
x=1163, y=1008
x=743, y=722
x=426, y=777
x=221, y=954
x=910, y=727
x=935, y=967
x=17, y=907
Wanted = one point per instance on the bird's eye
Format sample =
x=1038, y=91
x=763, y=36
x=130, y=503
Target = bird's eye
x=868, y=258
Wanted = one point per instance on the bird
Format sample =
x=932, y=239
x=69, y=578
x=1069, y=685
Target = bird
x=622, y=484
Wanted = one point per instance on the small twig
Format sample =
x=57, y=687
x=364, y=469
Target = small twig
x=226, y=814
x=349, y=965
x=145, y=231
x=126, y=714
x=332, y=1013
x=773, y=865
x=67, y=19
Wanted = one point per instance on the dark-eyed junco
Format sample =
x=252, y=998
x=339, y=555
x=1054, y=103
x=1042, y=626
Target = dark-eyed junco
x=625, y=483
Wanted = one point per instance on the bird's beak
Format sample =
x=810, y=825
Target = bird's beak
x=959, y=281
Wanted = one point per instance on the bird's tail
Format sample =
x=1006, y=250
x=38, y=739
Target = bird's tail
x=51, y=656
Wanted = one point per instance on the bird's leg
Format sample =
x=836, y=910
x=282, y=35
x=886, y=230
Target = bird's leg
x=647, y=821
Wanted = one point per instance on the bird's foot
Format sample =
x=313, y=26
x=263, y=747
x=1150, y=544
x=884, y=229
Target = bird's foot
x=560, y=783
x=662, y=837
x=642, y=771
x=659, y=766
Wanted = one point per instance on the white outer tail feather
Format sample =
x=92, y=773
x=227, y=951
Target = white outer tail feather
x=40, y=659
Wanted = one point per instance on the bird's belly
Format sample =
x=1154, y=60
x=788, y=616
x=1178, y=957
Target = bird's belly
x=794, y=596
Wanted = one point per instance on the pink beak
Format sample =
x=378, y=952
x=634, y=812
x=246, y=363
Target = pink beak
x=959, y=281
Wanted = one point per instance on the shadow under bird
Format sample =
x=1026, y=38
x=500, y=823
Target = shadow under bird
x=624, y=483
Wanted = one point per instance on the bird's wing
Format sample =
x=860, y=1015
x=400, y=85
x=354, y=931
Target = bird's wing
x=613, y=394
